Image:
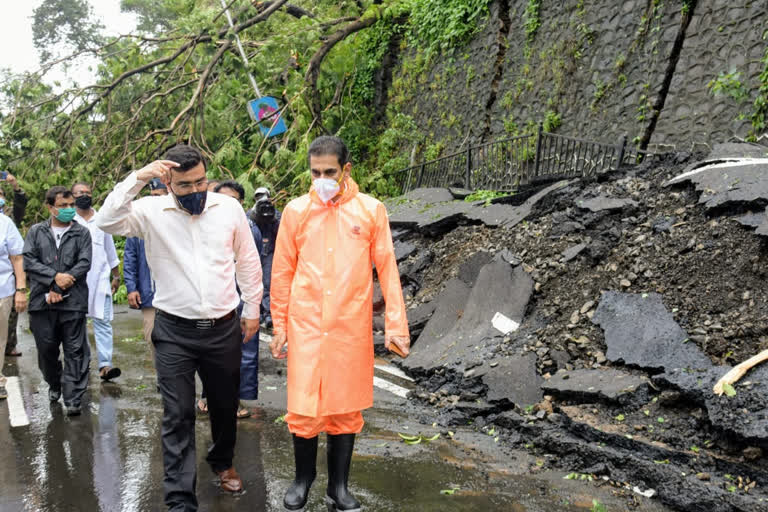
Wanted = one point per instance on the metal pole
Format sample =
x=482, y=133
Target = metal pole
x=240, y=47
x=421, y=176
x=538, y=150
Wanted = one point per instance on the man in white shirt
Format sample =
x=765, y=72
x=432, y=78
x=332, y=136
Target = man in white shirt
x=13, y=288
x=196, y=243
x=104, y=261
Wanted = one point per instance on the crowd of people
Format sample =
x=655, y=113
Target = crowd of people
x=207, y=275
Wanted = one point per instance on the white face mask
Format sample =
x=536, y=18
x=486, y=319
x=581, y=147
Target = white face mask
x=326, y=188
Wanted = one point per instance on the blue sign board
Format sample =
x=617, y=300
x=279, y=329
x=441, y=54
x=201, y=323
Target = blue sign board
x=266, y=112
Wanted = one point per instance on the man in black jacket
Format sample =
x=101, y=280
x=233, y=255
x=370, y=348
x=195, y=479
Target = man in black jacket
x=57, y=257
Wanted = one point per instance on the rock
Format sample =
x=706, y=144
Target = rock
x=413, y=267
x=574, y=317
x=404, y=250
x=566, y=228
x=752, y=453
x=560, y=357
x=602, y=203
x=459, y=193
x=586, y=307
x=639, y=331
x=378, y=345
x=514, y=379
x=663, y=224
x=728, y=183
x=604, y=385
x=572, y=252
x=625, y=283
x=704, y=477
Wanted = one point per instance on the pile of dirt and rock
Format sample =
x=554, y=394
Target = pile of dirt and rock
x=590, y=318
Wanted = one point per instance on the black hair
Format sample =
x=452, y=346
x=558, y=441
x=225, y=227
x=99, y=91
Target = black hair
x=233, y=185
x=80, y=183
x=329, y=145
x=186, y=156
x=54, y=192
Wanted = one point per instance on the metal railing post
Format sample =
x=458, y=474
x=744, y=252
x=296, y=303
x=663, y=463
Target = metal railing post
x=538, y=150
x=622, y=150
x=468, y=177
x=421, y=176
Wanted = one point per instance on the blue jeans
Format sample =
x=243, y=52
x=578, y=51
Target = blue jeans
x=102, y=331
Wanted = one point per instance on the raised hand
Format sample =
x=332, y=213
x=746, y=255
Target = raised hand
x=157, y=169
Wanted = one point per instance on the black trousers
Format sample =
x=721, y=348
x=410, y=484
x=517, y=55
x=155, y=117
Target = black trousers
x=13, y=340
x=52, y=328
x=214, y=353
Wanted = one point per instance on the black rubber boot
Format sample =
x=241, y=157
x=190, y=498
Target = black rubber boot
x=338, y=497
x=305, y=456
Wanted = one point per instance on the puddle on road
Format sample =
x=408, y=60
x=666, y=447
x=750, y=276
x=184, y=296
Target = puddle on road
x=109, y=459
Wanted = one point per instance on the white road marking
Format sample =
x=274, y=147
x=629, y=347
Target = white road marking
x=388, y=386
x=16, y=411
x=397, y=372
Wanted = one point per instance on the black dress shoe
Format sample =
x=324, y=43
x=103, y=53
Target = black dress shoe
x=54, y=395
x=73, y=410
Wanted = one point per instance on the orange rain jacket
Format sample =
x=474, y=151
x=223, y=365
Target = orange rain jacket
x=322, y=297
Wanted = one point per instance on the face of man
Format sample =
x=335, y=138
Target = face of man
x=81, y=190
x=231, y=193
x=159, y=192
x=61, y=202
x=327, y=166
x=189, y=182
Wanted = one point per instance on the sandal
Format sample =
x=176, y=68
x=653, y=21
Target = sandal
x=242, y=412
x=109, y=373
x=202, y=406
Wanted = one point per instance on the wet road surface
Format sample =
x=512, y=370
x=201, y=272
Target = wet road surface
x=109, y=459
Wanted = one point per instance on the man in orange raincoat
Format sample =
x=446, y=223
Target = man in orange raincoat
x=322, y=305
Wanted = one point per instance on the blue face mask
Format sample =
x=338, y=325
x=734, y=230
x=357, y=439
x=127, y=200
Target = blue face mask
x=194, y=203
x=65, y=215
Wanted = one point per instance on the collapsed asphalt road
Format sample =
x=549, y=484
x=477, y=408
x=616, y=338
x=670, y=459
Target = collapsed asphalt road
x=109, y=458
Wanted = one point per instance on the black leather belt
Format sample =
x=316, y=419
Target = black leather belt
x=203, y=324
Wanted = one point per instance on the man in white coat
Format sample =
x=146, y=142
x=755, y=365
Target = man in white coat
x=100, y=287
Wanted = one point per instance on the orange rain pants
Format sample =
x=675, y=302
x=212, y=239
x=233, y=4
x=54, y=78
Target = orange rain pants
x=335, y=424
x=322, y=298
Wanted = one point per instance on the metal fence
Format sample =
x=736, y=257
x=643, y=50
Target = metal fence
x=508, y=164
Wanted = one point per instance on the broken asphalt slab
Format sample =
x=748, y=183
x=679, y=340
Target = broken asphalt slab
x=723, y=184
x=743, y=415
x=591, y=386
x=641, y=332
x=516, y=379
x=603, y=203
x=460, y=333
x=434, y=211
x=496, y=215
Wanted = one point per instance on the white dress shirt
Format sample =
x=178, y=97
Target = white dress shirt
x=11, y=244
x=103, y=260
x=193, y=258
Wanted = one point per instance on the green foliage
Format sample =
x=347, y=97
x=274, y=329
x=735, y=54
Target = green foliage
x=531, y=20
x=64, y=22
x=728, y=84
x=443, y=24
x=551, y=121
x=484, y=195
x=598, y=507
x=760, y=106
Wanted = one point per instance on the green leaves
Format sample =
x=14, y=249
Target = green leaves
x=409, y=439
x=729, y=390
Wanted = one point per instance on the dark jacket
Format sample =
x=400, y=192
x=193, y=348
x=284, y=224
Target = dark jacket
x=19, y=206
x=42, y=261
x=136, y=271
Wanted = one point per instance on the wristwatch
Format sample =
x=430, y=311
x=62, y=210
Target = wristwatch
x=23, y=290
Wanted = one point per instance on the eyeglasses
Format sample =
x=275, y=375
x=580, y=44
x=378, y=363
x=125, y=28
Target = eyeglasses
x=189, y=187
